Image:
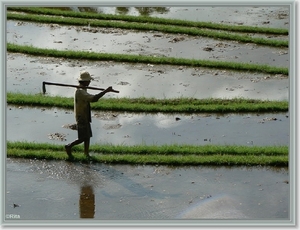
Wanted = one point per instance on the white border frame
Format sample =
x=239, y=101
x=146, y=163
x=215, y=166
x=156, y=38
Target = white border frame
x=293, y=98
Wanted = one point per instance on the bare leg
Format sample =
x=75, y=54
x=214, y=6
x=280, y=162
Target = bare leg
x=68, y=147
x=87, y=147
x=84, y=133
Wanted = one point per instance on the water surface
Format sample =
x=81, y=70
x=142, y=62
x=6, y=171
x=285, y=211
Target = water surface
x=36, y=124
x=58, y=190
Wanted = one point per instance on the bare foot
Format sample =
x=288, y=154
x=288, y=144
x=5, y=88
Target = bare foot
x=68, y=150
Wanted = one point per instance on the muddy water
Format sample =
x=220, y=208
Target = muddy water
x=40, y=125
x=72, y=191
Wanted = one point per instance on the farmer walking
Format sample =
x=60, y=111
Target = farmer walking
x=82, y=112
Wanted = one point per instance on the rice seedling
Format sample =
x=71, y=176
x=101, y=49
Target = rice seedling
x=176, y=155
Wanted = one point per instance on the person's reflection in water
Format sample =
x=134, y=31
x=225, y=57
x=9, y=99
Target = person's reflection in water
x=87, y=202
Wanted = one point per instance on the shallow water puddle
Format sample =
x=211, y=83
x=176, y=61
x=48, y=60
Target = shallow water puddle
x=60, y=190
x=38, y=125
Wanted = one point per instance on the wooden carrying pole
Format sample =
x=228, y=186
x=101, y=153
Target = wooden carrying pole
x=74, y=86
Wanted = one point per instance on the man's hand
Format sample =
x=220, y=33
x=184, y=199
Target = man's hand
x=109, y=89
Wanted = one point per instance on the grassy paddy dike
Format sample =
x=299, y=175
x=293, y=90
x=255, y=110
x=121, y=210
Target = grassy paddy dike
x=166, y=154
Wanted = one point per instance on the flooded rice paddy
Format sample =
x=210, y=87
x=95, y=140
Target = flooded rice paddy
x=150, y=129
x=262, y=16
x=151, y=43
x=53, y=190
x=26, y=75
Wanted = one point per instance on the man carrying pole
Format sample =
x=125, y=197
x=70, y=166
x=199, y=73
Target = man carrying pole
x=82, y=112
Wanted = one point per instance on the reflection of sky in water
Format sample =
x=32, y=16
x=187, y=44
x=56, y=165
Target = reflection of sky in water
x=233, y=14
x=219, y=207
x=24, y=76
x=27, y=74
x=34, y=125
x=259, y=193
x=145, y=192
x=67, y=38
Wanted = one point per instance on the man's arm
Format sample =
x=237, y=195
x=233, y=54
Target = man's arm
x=99, y=95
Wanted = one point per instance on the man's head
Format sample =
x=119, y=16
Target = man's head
x=85, y=78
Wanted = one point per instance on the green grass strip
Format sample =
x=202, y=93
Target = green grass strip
x=151, y=105
x=149, y=27
x=145, y=59
x=153, y=20
x=173, y=149
x=163, y=155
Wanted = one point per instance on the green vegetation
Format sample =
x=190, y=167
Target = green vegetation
x=145, y=59
x=148, y=27
x=152, y=20
x=176, y=155
x=152, y=105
